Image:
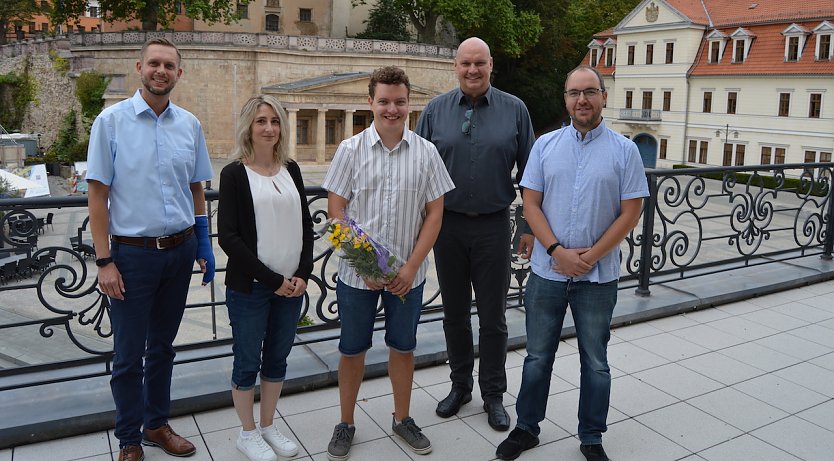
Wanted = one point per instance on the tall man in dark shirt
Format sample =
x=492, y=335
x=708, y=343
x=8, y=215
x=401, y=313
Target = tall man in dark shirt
x=481, y=133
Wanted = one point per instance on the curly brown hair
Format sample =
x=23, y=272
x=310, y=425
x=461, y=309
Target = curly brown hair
x=389, y=75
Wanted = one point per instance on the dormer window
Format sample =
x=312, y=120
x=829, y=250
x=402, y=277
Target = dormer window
x=742, y=39
x=716, y=40
x=596, y=52
x=610, y=48
x=795, y=36
x=824, y=32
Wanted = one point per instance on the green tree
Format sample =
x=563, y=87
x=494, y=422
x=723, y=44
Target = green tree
x=538, y=75
x=386, y=22
x=12, y=11
x=593, y=16
x=506, y=28
x=152, y=12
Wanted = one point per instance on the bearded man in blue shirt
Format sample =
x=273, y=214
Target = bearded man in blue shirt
x=146, y=160
x=583, y=190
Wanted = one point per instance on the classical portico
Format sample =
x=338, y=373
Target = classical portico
x=327, y=109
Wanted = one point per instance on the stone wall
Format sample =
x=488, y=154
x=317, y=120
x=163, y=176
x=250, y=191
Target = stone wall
x=221, y=71
x=55, y=95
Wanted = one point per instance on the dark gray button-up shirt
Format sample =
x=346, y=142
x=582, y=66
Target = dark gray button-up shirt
x=480, y=162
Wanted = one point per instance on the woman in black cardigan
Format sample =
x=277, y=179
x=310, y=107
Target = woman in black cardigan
x=266, y=230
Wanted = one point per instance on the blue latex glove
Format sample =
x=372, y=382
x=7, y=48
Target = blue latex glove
x=204, y=247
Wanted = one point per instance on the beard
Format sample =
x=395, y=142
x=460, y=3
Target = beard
x=157, y=91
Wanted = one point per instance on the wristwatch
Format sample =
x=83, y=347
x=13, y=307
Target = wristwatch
x=552, y=248
x=101, y=262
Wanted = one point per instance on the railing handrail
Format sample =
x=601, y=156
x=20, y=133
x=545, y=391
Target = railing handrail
x=657, y=250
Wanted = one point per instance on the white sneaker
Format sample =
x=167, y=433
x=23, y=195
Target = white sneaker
x=282, y=445
x=255, y=448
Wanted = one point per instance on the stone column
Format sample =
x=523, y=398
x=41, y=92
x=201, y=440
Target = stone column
x=320, y=135
x=293, y=122
x=348, y=123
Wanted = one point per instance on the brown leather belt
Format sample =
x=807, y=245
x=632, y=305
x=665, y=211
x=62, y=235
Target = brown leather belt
x=159, y=243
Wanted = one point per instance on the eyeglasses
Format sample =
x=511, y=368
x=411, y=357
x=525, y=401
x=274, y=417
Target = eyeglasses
x=588, y=92
x=466, y=128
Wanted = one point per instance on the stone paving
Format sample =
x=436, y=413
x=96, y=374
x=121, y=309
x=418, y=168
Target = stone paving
x=747, y=380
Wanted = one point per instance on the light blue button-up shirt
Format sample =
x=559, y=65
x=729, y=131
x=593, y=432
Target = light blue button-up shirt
x=583, y=182
x=149, y=163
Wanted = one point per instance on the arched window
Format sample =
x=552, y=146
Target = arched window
x=272, y=23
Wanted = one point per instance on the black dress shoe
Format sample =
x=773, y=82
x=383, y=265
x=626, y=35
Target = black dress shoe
x=452, y=403
x=594, y=452
x=497, y=416
x=518, y=441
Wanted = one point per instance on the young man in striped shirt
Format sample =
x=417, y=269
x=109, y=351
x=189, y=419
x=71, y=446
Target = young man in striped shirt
x=391, y=182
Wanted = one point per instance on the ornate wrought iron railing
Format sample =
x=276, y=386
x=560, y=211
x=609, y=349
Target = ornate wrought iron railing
x=695, y=222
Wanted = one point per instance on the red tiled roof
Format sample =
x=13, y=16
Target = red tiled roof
x=766, y=56
x=600, y=38
x=734, y=12
x=725, y=13
x=692, y=9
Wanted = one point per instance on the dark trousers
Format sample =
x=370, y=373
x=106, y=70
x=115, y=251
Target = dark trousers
x=474, y=253
x=145, y=324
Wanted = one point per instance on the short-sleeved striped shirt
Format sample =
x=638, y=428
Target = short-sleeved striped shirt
x=387, y=191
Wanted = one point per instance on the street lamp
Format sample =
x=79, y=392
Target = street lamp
x=726, y=132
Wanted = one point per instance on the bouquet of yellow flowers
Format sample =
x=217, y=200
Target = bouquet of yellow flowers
x=369, y=258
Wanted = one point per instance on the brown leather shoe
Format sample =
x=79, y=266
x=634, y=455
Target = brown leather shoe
x=171, y=443
x=131, y=453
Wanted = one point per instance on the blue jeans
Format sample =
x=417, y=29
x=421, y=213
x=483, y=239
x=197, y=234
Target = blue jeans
x=145, y=324
x=592, y=305
x=263, y=328
x=357, y=312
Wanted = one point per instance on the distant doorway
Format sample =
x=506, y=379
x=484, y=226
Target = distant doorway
x=648, y=149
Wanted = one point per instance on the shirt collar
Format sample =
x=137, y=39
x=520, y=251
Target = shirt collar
x=408, y=137
x=593, y=134
x=463, y=99
x=140, y=105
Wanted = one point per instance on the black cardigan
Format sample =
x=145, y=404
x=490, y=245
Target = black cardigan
x=238, y=236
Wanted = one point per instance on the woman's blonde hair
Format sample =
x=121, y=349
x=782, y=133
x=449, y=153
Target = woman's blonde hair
x=243, y=141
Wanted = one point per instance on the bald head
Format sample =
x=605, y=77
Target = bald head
x=473, y=66
x=473, y=43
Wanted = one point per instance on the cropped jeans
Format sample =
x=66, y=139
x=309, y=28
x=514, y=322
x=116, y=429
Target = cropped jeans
x=592, y=305
x=263, y=329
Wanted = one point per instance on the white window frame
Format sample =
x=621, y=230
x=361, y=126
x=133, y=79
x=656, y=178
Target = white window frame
x=721, y=39
x=825, y=28
x=742, y=34
x=801, y=33
x=594, y=45
x=610, y=44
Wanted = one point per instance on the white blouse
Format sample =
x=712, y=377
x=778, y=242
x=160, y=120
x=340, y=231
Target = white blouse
x=277, y=220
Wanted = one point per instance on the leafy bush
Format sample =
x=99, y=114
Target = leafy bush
x=89, y=89
x=16, y=91
x=67, y=138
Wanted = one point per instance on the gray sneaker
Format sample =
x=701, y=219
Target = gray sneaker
x=339, y=446
x=410, y=432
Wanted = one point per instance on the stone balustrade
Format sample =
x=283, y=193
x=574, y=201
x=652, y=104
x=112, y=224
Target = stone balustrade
x=232, y=39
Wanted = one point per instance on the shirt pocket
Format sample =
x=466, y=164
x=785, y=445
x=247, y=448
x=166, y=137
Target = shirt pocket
x=183, y=163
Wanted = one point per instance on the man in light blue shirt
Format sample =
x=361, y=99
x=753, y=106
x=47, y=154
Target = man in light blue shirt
x=146, y=160
x=583, y=190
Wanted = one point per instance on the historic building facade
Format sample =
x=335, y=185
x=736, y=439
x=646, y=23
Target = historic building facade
x=712, y=83
x=322, y=81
